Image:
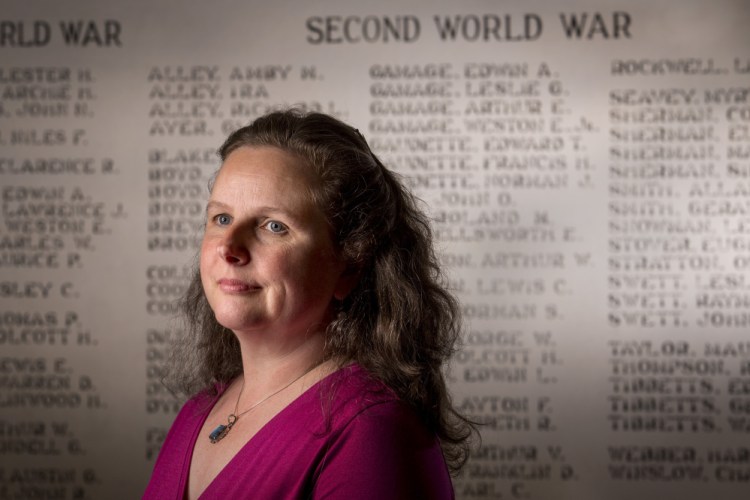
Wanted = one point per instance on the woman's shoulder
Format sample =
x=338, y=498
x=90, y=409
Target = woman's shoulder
x=352, y=389
x=363, y=403
x=376, y=436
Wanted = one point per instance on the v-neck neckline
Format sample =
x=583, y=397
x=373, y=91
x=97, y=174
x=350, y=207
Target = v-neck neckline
x=267, y=427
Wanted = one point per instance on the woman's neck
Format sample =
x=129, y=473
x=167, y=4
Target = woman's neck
x=266, y=365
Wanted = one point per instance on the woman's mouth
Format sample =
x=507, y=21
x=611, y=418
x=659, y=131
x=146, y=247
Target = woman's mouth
x=236, y=286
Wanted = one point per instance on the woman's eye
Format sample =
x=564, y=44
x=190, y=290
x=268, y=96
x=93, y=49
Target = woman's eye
x=275, y=226
x=223, y=219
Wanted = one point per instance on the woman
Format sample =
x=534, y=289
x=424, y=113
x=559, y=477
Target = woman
x=316, y=330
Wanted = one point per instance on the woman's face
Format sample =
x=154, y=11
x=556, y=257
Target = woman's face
x=268, y=263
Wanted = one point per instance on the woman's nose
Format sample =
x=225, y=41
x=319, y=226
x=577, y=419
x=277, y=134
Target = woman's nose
x=233, y=252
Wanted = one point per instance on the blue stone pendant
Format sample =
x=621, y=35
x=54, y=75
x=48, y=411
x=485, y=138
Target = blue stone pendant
x=222, y=430
x=218, y=433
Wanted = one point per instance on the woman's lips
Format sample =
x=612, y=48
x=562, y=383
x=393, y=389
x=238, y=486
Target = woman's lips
x=236, y=286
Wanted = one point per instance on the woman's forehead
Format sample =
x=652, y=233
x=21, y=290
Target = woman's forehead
x=266, y=165
x=266, y=179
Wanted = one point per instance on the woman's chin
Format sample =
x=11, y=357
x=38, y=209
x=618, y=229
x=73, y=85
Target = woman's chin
x=239, y=323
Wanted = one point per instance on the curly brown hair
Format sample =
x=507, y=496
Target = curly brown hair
x=399, y=322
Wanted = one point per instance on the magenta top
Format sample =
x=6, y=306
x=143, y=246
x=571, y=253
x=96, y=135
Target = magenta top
x=346, y=437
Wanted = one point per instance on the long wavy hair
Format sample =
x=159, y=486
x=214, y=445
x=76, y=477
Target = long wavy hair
x=399, y=322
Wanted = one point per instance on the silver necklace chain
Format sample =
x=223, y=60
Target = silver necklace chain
x=222, y=430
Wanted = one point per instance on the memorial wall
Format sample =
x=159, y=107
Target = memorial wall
x=586, y=165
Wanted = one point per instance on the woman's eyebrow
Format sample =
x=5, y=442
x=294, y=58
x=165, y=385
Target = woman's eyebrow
x=217, y=205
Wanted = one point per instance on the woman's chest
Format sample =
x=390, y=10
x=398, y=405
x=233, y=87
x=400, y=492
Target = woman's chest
x=245, y=436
